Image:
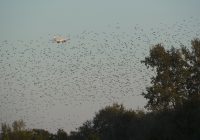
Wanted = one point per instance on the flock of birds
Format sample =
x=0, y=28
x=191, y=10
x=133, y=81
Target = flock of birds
x=53, y=86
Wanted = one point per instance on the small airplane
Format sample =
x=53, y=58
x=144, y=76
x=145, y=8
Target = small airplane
x=60, y=39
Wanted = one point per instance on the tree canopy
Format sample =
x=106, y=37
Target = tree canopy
x=177, y=76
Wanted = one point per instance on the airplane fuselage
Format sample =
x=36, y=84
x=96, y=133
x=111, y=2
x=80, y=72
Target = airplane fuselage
x=60, y=39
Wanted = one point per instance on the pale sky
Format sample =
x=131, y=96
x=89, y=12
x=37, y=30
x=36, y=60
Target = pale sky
x=39, y=17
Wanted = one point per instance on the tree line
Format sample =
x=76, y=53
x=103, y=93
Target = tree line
x=173, y=105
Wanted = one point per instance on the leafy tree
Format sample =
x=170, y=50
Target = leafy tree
x=17, y=132
x=62, y=135
x=6, y=130
x=112, y=122
x=18, y=125
x=105, y=120
x=177, y=76
x=40, y=134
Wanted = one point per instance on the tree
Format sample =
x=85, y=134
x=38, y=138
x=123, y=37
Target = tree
x=177, y=76
x=62, y=135
x=18, y=125
x=112, y=122
x=6, y=130
x=40, y=134
x=17, y=132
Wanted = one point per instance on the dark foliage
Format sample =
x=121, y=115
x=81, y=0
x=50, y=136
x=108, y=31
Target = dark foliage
x=178, y=76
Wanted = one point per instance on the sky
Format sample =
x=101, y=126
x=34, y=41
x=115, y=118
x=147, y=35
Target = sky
x=53, y=86
x=34, y=18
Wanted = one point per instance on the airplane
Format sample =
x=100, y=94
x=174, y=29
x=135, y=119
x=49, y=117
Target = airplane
x=59, y=39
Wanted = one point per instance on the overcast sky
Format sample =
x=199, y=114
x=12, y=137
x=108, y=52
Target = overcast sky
x=39, y=17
